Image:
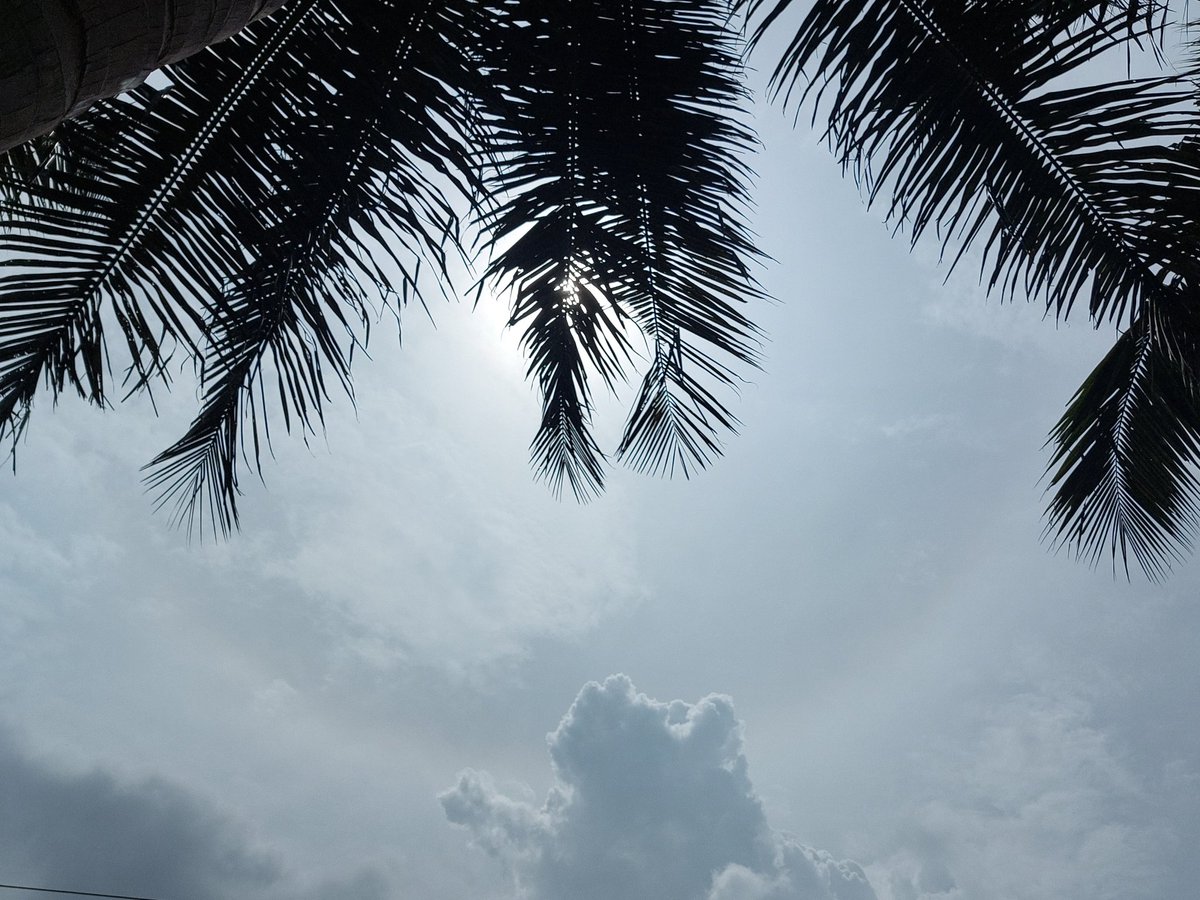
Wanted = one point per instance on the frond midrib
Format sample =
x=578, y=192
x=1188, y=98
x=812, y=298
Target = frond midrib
x=998, y=101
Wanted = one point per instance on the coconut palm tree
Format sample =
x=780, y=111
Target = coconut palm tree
x=238, y=212
x=58, y=58
x=255, y=206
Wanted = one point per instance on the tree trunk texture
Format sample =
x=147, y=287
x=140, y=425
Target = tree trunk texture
x=57, y=57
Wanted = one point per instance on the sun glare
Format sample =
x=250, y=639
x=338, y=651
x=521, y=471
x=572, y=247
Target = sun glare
x=568, y=292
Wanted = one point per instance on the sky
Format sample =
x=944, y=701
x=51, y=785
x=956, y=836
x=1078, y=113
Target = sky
x=842, y=664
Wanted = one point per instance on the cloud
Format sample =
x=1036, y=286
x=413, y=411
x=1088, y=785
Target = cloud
x=447, y=559
x=1043, y=804
x=93, y=832
x=651, y=800
x=413, y=540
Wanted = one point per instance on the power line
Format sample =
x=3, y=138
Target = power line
x=45, y=890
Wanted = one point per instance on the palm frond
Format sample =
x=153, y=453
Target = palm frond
x=567, y=323
x=977, y=121
x=968, y=128
x=23, y=164
x=355, y=206
x=111, y=229
x=617, y=167
x=1124, y=462
x=282, y=180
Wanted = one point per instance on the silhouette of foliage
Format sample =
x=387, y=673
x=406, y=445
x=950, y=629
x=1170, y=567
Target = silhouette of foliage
x=257, y=210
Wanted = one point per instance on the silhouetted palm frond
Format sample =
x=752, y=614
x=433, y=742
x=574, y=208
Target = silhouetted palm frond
x=617, y=144
x=116, y=229
x=1125, y=456
x=248, y=210
x=254, y=206
x=357, y=200
x=984, y=123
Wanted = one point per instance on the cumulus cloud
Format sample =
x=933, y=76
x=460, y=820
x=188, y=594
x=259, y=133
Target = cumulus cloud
x=93, y=832
x=651, y=800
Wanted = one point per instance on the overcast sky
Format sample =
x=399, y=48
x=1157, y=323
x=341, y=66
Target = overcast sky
x=840, y=665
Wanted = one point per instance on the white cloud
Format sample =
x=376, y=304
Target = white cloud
x=1041, y=805
x=418, y=532
x=801, y=873
x=416, y=540
x=651, y=800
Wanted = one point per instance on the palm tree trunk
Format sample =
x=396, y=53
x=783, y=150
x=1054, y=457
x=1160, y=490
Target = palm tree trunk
x=57, y=57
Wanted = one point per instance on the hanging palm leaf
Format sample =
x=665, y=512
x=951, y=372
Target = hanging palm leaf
x=1125, y=456
x=239, y=213
x=115, y=229
x=976, y=120
x=354, y=207
x=616, y=160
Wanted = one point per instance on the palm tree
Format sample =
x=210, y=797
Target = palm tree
x=599, y=147
x=253, y=208
x=58, y=58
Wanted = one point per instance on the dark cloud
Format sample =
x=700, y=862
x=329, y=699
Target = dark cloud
x=366, y=884
x=651, y=800
x=94, y=832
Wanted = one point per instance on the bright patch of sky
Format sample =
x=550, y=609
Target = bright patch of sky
x=941, y=706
